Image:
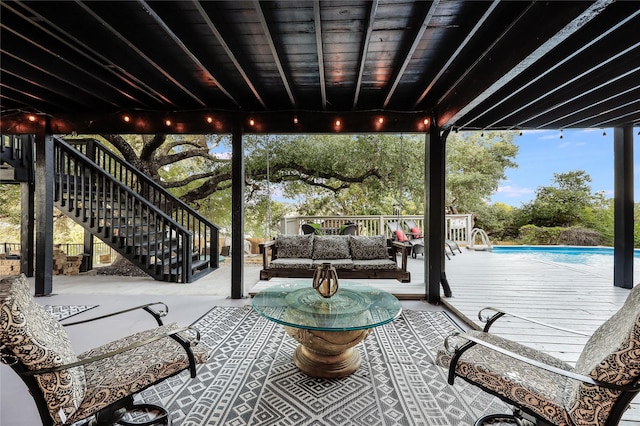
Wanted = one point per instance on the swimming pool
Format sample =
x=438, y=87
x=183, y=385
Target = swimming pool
x=595, y=256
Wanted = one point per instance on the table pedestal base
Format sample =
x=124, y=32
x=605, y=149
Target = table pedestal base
x=327, y=353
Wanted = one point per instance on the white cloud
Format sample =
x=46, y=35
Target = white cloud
x=513, y=191
x=222, y=155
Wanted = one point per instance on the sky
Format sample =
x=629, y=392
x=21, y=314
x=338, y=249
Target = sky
x=542, y=153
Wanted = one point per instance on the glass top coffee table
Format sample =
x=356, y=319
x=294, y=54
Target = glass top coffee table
x=327, y=328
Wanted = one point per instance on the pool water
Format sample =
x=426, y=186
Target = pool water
x=592, y=256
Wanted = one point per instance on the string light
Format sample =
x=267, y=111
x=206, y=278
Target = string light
x=425, y=121
x=338, y=123
x=252, y=122
x=604, y=132
x=209, y=119
x=295, y=119
x=561, y=137
x=167, y=122
x=126, y=118
x=31, y=117
x=380, y=120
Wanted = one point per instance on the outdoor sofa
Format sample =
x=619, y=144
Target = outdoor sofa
x=353, y=256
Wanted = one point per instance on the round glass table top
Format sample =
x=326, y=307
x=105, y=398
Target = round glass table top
x=354, y=307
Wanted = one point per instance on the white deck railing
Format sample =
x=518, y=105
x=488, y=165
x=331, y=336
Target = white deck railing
x=457, y=227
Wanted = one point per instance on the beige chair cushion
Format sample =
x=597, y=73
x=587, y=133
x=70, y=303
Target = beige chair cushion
x=39, y=341
x=112, y=378
x=612, y=354
x=535, y=388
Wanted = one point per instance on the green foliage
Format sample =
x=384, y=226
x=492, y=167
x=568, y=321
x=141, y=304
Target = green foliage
x=10, y=204
x=497, y=221
x=476, y=164
x=564, y=204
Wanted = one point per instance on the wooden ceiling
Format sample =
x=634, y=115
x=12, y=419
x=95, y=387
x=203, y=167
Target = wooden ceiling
x=302, y=66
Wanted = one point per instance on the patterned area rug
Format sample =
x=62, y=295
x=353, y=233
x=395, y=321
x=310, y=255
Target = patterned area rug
x=61, y=312
x=251, y=379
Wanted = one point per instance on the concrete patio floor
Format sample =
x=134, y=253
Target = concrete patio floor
x=577, y=297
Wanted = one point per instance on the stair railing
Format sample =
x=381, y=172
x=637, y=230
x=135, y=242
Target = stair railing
x=205, y=233
x=102, y=203
x=17, y=152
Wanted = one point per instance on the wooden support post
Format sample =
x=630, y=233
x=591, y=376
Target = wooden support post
x=44, y=211
x=434, y=214
x=623, y=207
x=237, y=214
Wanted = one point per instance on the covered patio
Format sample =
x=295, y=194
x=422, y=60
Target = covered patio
x=276, y=67
x=579, y=298
x=318, y=67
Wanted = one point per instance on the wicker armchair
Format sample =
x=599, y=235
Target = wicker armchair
x=545, y=389
x=98, y=384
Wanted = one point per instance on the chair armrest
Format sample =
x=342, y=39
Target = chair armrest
x=266, y=244
x=265, y=247
x=157, y=314
x=89, y=360
x=499, y=313
x=403, y=248
x=457, y=351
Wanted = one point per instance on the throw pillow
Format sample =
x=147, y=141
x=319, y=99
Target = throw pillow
x=331, y=247
x=294, y=246
x=416, y=233
x=400, y=235
x=368, y=248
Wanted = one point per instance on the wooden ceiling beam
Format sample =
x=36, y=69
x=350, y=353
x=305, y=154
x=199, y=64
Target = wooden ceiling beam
x=167, y=75
x=217, y=122
x=571, y=81
x=547, y=46
x=318, y=30
x=192, y=56
x=409, y=53
x=274, y=52
x=223, y=42
x=373, y=8
x=38, y=20
x=470, y=36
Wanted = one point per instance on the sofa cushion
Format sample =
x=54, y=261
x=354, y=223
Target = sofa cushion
x=361, y=265
x=331, y=247
x=39, y=341
x=293, y=263
x=366, y=248
x=294, y=246
x=336, y=263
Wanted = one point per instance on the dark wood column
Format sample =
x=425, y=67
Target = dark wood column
x=623, y=207
x=434, y=214
x=237, y=214
x=44, y=212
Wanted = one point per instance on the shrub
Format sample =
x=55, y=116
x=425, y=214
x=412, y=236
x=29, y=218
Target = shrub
x=574, y=236
x=580, y=237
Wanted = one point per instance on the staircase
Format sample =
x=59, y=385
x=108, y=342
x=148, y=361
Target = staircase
x=138, y=218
